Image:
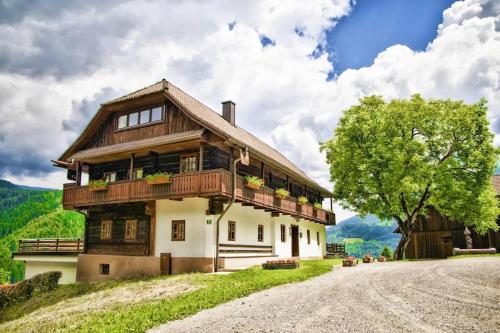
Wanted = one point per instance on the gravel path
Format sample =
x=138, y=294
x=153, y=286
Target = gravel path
x=460, y=295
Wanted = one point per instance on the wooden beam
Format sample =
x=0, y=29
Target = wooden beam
x=200, y=161
x=261, y=170
x=131, y=171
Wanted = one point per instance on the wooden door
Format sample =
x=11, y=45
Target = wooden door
x=295, y=241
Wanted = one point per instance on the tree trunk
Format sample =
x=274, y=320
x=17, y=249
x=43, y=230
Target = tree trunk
x=405, y=228
x=399, y=253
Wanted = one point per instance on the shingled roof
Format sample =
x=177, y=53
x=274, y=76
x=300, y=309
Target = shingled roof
x=214, y=121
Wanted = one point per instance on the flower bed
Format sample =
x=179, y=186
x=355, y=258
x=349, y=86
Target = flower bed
x=159, y=178
x=281, y=264
x=382, y=259
x=349, y=261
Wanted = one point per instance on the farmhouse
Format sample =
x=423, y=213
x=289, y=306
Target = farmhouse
x=435, y=235
x=163, y=171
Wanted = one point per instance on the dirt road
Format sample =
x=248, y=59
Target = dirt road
x=460, y=295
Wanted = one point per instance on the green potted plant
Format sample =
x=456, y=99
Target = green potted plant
x=318, y=205
x=98, y=185
x=302, y=200
x=159, y=178
x=281, y=193
x=253, y=182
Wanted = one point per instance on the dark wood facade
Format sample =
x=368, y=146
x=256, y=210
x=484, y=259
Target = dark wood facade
x=174, y=121
x=118, y=244
x=435, y=236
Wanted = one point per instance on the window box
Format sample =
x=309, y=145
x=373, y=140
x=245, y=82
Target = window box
x=159, y=178
x=281, y=264
x=98, y=185
x=281, y=193
x=253, y=182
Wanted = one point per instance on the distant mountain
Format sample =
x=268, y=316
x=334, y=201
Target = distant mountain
x=364, y=235
x=27, y=212
x=6, y=184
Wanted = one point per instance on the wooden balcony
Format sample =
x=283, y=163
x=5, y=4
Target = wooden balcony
x=198, y=184
x=50, y=246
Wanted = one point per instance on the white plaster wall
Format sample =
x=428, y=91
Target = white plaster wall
x=197, y=232
x=313, y=249
x=68, y=270
x=247, y=220
x=284, y=249
x=200, y=236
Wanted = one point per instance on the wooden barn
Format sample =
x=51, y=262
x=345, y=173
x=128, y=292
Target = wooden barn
x=435, y=235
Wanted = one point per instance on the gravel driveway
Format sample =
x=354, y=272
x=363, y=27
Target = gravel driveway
x=460, y=295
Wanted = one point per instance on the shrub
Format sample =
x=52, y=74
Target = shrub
x=386, y=252
x=281, y=193
x=302, y=200
x=28, y=288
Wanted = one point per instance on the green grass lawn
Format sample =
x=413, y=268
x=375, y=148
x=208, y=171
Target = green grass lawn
x=215, y=290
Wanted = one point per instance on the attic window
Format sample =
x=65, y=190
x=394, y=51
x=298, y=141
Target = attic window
x=140, y=118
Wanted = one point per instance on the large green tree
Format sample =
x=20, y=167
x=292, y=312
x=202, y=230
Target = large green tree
x=396, y=159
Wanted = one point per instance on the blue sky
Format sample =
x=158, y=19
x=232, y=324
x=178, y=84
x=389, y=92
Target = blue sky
x=374, y=25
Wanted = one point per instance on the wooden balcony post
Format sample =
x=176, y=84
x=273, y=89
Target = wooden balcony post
x=131, y=174
x=131, y=171
x=78, y=174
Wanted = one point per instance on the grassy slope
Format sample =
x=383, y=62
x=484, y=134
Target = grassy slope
x=56, y=224
x=216, y=289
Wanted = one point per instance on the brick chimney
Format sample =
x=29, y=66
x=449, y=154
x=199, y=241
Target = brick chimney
x=228, y=112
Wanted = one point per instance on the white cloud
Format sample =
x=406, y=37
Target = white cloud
x=281, y=92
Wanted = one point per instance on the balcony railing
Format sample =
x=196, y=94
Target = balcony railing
x=197, y=184
x=50, y=246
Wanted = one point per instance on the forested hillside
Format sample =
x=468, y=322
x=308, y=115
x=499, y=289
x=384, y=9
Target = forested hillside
x=31, y=213
x=362, y=236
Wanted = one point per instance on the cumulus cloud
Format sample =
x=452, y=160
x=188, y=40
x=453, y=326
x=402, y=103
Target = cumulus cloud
x=59, y=60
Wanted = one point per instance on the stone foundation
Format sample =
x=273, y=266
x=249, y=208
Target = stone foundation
x=120, y=267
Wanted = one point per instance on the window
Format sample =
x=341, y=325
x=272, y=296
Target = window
x=188, y=163
x=137, y=173
x=178, y=230
x=106, y=229
x=283, y=233
x=133, y=119
x=104, y=269
x=145, y=117
x=130, y=229
x=308, y=236
x=110, y=177
x=231, y=231
x=260, y=233
x=122, y=121
x=317, y=237
x=156, y=114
